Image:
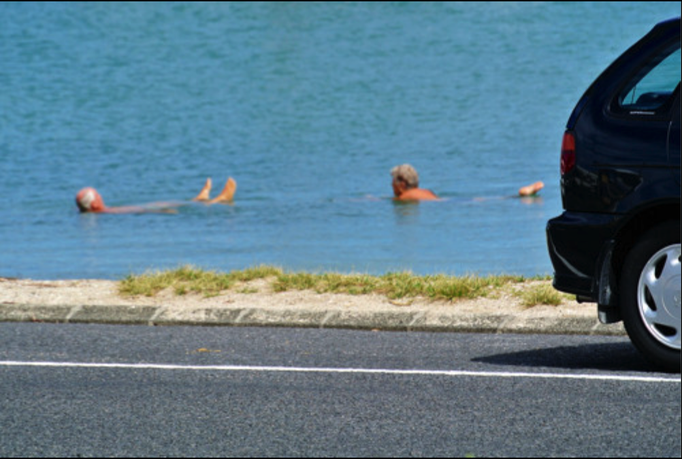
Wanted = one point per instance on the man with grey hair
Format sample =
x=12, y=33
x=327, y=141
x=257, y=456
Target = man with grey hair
x=406, y=185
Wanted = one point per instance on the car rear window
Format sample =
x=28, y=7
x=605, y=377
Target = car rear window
x=650, y=89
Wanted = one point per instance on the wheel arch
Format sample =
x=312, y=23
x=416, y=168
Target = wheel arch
x=641, y=222
x=612, y=258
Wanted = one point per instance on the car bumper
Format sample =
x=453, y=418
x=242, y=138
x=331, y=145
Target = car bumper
x=578, y=244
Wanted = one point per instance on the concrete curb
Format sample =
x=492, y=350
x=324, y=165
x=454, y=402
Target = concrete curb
x=350, y=319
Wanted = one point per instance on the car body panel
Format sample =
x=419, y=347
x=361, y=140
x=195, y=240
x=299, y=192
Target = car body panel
x=674, y=143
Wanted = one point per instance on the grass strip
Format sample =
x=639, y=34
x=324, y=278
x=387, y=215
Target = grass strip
x=188, y=279
x=394, y=285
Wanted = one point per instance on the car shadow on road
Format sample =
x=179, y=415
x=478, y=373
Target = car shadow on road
x=601, y=356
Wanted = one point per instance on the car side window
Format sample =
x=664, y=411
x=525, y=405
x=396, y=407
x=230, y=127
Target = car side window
x=652, y=87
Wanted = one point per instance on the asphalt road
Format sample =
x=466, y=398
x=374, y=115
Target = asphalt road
x=97, y=390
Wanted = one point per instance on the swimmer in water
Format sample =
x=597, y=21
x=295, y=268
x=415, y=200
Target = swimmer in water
x=89, y=200
x=406, y=186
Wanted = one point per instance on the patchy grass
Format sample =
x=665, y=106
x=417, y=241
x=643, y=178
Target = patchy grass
x=188, y=279
x=541, y=294
x=397, y=285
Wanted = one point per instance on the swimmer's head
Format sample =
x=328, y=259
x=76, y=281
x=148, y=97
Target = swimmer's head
x=89, y=200
x=406, y=174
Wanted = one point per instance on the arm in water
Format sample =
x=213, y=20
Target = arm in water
x=531, y=190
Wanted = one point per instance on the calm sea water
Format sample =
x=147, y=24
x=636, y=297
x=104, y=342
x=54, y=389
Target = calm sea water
x=307, y=106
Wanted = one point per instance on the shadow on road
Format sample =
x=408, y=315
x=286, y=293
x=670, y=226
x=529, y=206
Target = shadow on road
x=602, y=356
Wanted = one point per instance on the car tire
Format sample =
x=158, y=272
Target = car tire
x=650, y=295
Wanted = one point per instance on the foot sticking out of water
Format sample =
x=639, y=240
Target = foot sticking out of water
x=227, y=195
x=205, y=193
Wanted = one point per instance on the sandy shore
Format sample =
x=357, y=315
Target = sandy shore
x=259, y=294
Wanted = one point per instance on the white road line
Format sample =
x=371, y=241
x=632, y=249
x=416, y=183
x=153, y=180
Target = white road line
x=450, y=373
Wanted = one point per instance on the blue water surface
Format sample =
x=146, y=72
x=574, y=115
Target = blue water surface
x=308, y=106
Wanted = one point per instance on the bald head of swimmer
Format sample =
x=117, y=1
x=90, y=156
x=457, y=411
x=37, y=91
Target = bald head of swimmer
x=89, y=200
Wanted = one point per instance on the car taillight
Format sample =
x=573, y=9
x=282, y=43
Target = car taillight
x=567, y=153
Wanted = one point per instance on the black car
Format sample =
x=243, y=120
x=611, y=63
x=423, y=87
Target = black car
x=617, y=242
